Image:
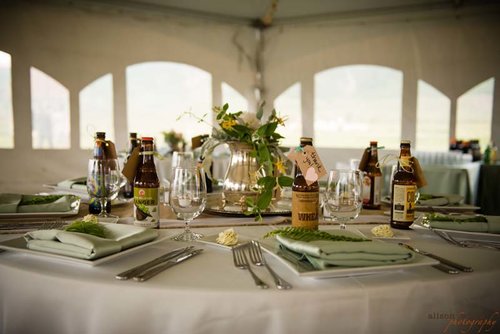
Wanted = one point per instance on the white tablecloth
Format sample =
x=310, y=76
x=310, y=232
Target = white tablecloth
x=207, y=294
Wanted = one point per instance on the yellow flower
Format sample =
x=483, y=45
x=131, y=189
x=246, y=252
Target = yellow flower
x=280, y=166
x=281, y=120
x=228, y=125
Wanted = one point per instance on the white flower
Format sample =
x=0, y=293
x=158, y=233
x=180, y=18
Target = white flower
x=250, y=119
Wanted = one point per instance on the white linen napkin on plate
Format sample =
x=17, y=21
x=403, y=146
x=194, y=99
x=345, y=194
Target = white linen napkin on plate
x=86, y=246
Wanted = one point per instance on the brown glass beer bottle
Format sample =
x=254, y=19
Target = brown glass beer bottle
x=305, y=198
x=372, y=180
x=404, y=189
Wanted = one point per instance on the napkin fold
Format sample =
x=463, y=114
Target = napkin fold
x=323, y=254
x=9, y=202
x=466, y=223
x=14, y=203
x=86, y=246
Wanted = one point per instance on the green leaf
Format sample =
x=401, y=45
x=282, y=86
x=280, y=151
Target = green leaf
x=268, y=182
x=225, y=107
x=91, y=228
x=285, y=181
x=265, y=199
x=260, y=111
x=271, y=127
x=302, y=234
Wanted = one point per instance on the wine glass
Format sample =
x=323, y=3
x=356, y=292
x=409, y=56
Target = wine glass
x=104, y=181
x=182, y=159
x=188, y=197
x=343, y=195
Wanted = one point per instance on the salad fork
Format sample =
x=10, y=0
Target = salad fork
x=257, y=258
x=241, y=261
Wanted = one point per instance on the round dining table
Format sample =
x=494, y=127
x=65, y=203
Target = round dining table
x=208, y=294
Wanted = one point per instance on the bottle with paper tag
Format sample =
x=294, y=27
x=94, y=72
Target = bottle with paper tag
x=128, y=188
x=99, y=152
x=404, y=190
x=372, y=180
x=305, y=187
x=146, y=188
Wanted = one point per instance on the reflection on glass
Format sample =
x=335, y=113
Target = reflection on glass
x=160, y=92
x=49, y=111
x=433, y=119
x=96, y=110
x=6, y=116
x=288, y=105
x=475, y=112
x=354, y=104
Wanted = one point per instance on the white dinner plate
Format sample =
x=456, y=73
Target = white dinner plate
x=271, y=247
x=19, y=245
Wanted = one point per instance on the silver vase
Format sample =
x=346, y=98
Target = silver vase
x=240, y=181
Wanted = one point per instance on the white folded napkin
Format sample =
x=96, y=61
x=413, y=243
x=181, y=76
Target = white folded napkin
x=85, y=246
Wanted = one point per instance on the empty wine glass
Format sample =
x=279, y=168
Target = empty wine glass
x=182, y=159
x=188, y=197
x=104, y=181
x=343, y=195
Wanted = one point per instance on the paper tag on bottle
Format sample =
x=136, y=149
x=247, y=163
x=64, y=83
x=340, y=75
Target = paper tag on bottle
x=110, y=150
x=130, y=168
x=308, y=161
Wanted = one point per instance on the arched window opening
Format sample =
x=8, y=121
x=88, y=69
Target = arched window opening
x=433, y=119
x=158, y=93
x=96, y=110
x=288, y=105
x=50, y=112
x=358, y=103
x=6, y=112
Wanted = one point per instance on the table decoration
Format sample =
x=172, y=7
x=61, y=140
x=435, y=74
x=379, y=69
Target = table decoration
x=257, y=166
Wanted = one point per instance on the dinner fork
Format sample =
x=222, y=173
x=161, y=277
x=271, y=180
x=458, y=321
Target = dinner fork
x=241, y=261
x=466, y=243
x=257, y=258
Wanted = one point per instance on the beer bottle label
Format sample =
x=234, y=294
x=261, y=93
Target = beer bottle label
x=372, y=189
x=146, y=207
x=305, y=209
x=403, y=206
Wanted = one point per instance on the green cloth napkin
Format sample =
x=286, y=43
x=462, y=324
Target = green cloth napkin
x=9, y=202
x=492, y=225
x=323, y=254
x=85, y=246
x=62, y=204
x=13, y=203
x=79, y=184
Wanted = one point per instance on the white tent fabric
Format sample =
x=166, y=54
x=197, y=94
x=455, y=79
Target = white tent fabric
x=77, y=44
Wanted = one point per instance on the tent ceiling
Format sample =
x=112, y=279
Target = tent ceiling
x=251, y=10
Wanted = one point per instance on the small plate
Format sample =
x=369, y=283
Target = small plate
x=211, y=240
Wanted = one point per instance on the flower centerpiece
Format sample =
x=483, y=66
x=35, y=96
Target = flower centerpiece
x=257, y=165
x=174, y=140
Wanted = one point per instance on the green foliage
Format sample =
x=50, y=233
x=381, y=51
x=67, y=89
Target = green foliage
x=87, y=227
x=39, y=199
x=302, y=234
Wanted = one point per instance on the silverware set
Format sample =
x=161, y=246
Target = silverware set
x=444, y=265
x=149, y=269
x=467, y=243
x=255, y=254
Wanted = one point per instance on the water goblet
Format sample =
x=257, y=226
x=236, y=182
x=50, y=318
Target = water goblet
x=188, y=197
x=104, y=181
x=343, y=195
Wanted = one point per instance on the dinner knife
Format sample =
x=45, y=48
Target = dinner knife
x=148, y=273
x=445, y=269
x=439, y=258
x=140, y=268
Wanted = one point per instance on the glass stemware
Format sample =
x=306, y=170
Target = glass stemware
x=343, y=195
x=188, y=197
x=104, y=181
